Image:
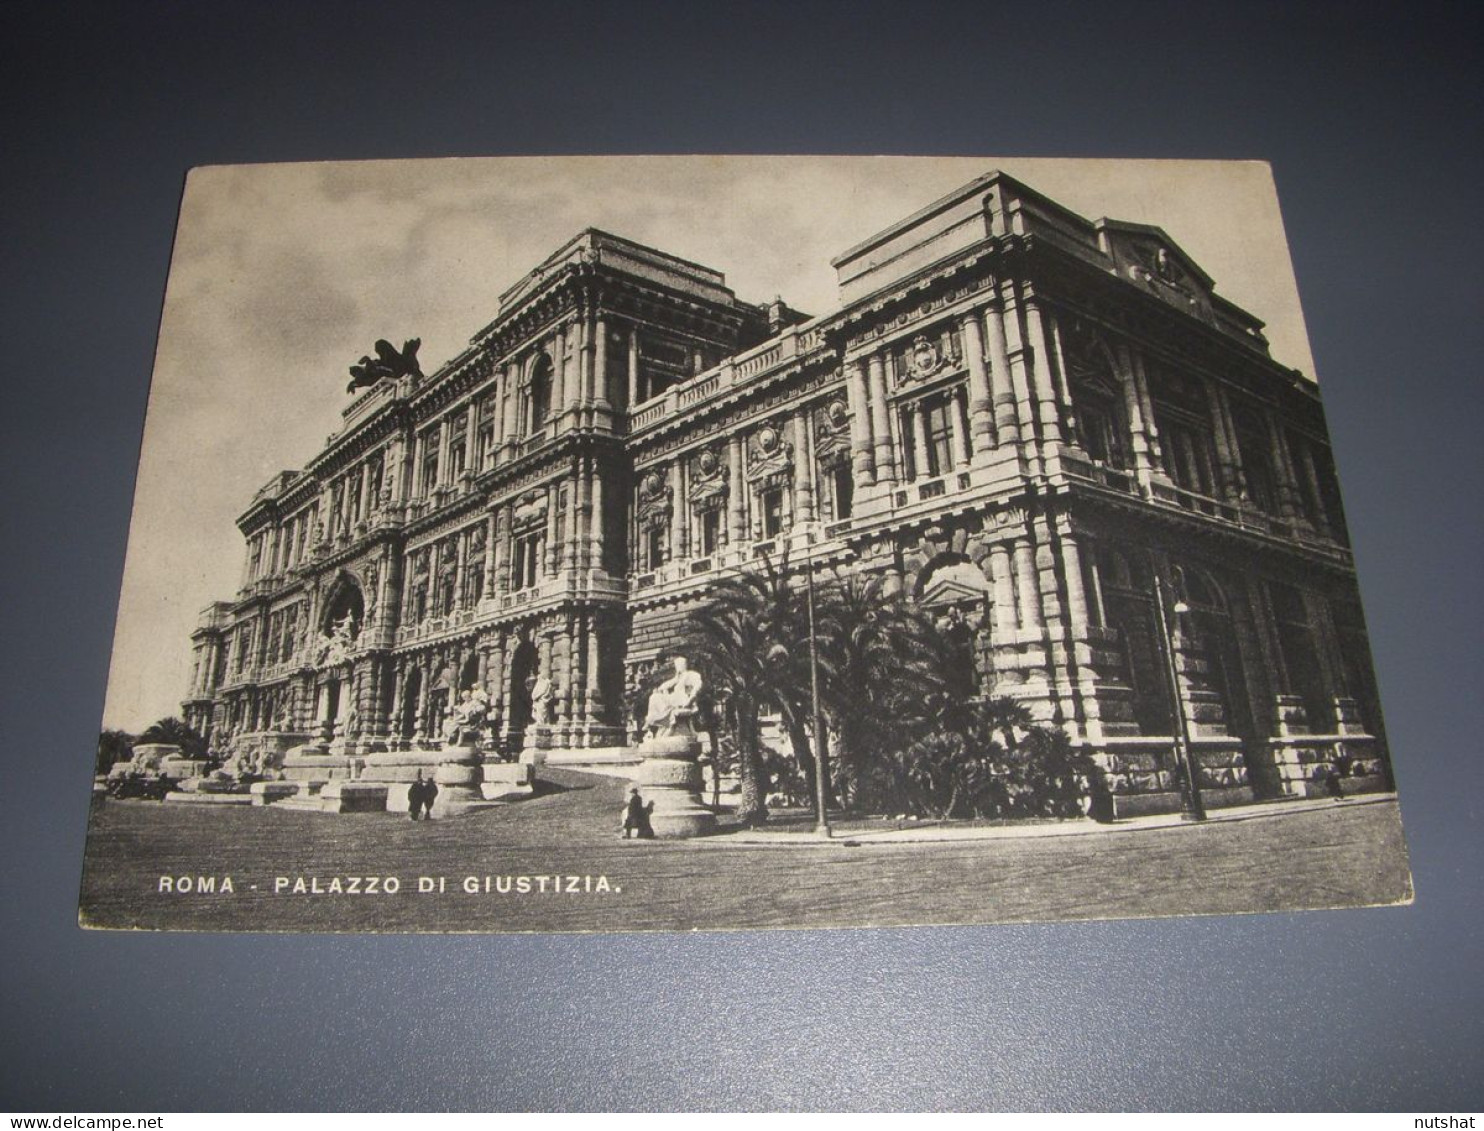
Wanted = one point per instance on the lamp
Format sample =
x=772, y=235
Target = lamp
x=1191, y=806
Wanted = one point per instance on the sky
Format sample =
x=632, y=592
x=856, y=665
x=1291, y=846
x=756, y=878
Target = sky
x=284, y=275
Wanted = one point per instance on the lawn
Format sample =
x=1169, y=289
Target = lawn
x=1319, y=858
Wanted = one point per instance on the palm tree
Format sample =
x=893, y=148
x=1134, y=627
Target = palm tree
x=175, y=732
x=884, y=671
x=113, y=746
x=754, y=632
x=732, y=646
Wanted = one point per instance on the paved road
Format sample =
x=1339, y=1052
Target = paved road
x=1318, y=857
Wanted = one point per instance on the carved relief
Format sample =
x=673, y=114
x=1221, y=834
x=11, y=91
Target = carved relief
x=926, y=357
x=831, y=433
x=528, y=510
x=1160, y=268
x=708, y=481
x=770, y=458
x=655, y=500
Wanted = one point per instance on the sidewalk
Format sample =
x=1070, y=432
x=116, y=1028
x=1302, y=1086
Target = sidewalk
x=932, y=832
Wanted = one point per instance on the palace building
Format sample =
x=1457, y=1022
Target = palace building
x=1025, y=420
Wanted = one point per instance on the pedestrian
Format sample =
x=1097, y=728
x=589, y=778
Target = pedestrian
x=430, y=791
x=415, y=796
x=636, y=817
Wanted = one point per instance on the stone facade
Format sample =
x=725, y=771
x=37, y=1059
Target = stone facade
x=1019, y=417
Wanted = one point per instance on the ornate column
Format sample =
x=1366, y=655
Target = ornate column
x=1077, y=611
x=1005, y=618
x=1006, y=430
x=634, y=390
x=594, y=661
x=561, y=678
x=577, y=513
x=678, y=477
x=913, y=421
x=1041, y=378
x=1020, y=380
x=549, y=556
x=863, y=460
x=957, y=432
x=1059, y=368
x=461, y=564
x=435, y=560
x=981, y=402
x=511, y=401
x=1146, y=403
x=1225, y=464
x=443, y=437
x=396, y=452
x=543, y=661
x=600, y=364
x=736, y=511
x=494, y=673
x=504, y=550
x=491, y=538
x=507, y=690
x=880, y=423
x=1028, y=595
x=471, y=436
x=1288, y=488
x=572, y=362
x=1311, y=477
x=803, y=467
x=576, y=664
x=597, y=532
x=1133, y=405
x=557, y=347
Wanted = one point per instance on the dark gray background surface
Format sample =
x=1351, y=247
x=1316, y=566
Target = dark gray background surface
x=1371, y=116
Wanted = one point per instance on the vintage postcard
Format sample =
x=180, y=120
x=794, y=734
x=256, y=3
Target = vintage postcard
x=608, y=544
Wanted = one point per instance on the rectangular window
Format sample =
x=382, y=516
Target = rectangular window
x=430, y=461
x=1097, y=428
x=526, y=569
x=1256, y=456
x=937, y=429
x=377, y=477
x=843, y=482
x=654, y=547
x=710, y=531
x=772, y=510
x=485, y=455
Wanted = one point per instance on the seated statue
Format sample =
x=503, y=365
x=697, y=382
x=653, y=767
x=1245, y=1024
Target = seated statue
x=672, y=705
x=466, y=721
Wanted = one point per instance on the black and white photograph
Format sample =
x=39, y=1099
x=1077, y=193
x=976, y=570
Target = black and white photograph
x=629, y=544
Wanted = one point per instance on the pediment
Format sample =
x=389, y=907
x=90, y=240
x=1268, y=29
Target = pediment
x=1146, y=256
x=941, y=591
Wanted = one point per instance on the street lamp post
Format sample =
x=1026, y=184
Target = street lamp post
x=1191, y=806
x=822, y=827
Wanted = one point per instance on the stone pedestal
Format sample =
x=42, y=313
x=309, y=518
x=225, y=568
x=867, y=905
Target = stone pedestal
x=268, y=792
x=458, y=776
x=535, y=743
x=506, y=781
x=670, y=778
x=343, y=796
x=456, y=769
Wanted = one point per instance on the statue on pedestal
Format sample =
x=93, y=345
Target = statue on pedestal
x=672, y=705
x=388, y=362
x=466, y=721
x=670, y=774
x=336, y=647
x=540, y=688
